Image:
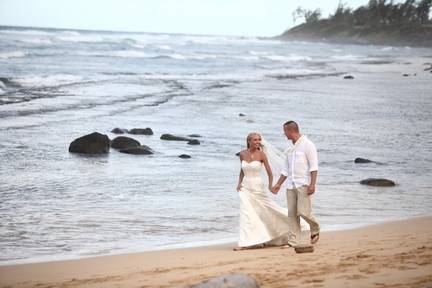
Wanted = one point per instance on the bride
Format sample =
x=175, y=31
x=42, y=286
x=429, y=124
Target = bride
x=262, y=222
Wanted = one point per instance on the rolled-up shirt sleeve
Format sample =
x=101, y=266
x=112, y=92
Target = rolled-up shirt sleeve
x=284, y=170
x=312, y=157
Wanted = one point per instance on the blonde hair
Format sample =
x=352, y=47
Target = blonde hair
x=249, y=137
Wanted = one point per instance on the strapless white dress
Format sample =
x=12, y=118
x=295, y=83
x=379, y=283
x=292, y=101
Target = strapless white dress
x=261, y=220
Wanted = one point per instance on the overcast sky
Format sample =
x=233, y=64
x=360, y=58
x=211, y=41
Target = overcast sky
x=221, y=17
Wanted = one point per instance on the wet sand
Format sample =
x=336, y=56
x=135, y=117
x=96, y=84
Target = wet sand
x=393, y=254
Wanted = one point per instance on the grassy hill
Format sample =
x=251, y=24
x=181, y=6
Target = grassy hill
x=380, y=22
x=326, y=31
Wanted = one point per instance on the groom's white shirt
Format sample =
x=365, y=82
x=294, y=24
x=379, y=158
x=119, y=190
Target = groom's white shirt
x=300, y=160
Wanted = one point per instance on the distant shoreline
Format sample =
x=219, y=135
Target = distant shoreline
x=329, y=32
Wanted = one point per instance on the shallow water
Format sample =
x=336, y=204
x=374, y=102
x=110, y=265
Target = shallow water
x=59, y=85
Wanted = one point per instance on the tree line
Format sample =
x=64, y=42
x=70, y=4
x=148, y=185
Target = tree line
x=377, y=13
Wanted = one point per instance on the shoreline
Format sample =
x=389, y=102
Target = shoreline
x=343, y=41
x=354, y=256
x=176, y=246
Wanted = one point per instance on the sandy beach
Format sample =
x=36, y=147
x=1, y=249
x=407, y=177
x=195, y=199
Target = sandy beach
x=393, y=254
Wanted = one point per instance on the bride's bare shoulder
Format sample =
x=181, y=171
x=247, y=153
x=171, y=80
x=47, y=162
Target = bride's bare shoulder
x=243, y=154
x=262, y=155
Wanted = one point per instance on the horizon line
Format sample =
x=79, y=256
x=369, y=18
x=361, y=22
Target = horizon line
x=130, y=32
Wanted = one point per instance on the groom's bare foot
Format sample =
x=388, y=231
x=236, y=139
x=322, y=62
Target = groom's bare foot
x=286, y=246
x=314, y=238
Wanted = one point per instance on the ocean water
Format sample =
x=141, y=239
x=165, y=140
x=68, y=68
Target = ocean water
x=58, y=85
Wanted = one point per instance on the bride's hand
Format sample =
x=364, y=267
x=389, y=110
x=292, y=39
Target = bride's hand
x=275, y=189
x=239, y=186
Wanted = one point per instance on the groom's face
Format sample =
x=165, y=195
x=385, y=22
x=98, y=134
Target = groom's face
x=288, y=132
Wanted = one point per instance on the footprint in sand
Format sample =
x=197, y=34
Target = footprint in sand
x=314, y=281
x=355, y=277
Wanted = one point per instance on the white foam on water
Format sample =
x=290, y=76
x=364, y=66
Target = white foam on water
x=164, y=47
x=27, y=32
x=72, y=33
x=49, y=80
x=258, y=53
x=37, y=41
x=348, y=57
x=82, y=38
x=127, y=54
x=12, y=54
x=177, y=56
x=288, y=58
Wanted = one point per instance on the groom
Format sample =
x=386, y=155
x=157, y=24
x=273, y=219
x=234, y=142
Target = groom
x=301, y=170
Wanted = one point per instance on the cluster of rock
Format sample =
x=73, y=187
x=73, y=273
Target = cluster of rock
x=377, y=182
x=350, y=77
x=190, y=141
x=97, y=143
x=134, y=131
x=425, y=69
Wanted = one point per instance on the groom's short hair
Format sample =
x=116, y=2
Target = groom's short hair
x=292, y=124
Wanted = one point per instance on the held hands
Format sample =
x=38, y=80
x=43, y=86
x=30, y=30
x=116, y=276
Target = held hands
x=275, y=189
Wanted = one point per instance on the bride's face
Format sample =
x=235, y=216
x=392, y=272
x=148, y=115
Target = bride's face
x=255, y=141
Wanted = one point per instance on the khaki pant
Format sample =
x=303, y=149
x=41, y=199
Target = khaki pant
x=299, y=205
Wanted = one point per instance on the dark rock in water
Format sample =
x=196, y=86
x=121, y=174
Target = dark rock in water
x=379, y=62
x=379, y=182
x=194, y=135
x=139, y=150
x=123, y=142
x=170, y=137
x=228, y=281
x=194, y=142
x=94, y=143
x=362, y=160
x=141, y=131
x=119, y=131
x=405, y=75
x=241, y=114
x=184, y=156
x=9, y=82
x=349, y=77
x=219, y=85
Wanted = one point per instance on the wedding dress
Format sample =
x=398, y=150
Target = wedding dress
x=261, y=220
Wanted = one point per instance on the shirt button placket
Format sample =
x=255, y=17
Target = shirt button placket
x=292, y=170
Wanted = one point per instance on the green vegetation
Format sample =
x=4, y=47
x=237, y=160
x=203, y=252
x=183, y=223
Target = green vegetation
x=378, y=22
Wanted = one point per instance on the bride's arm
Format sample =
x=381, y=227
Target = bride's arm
x=268, y=170
x=241, y=176
x=239, y=185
